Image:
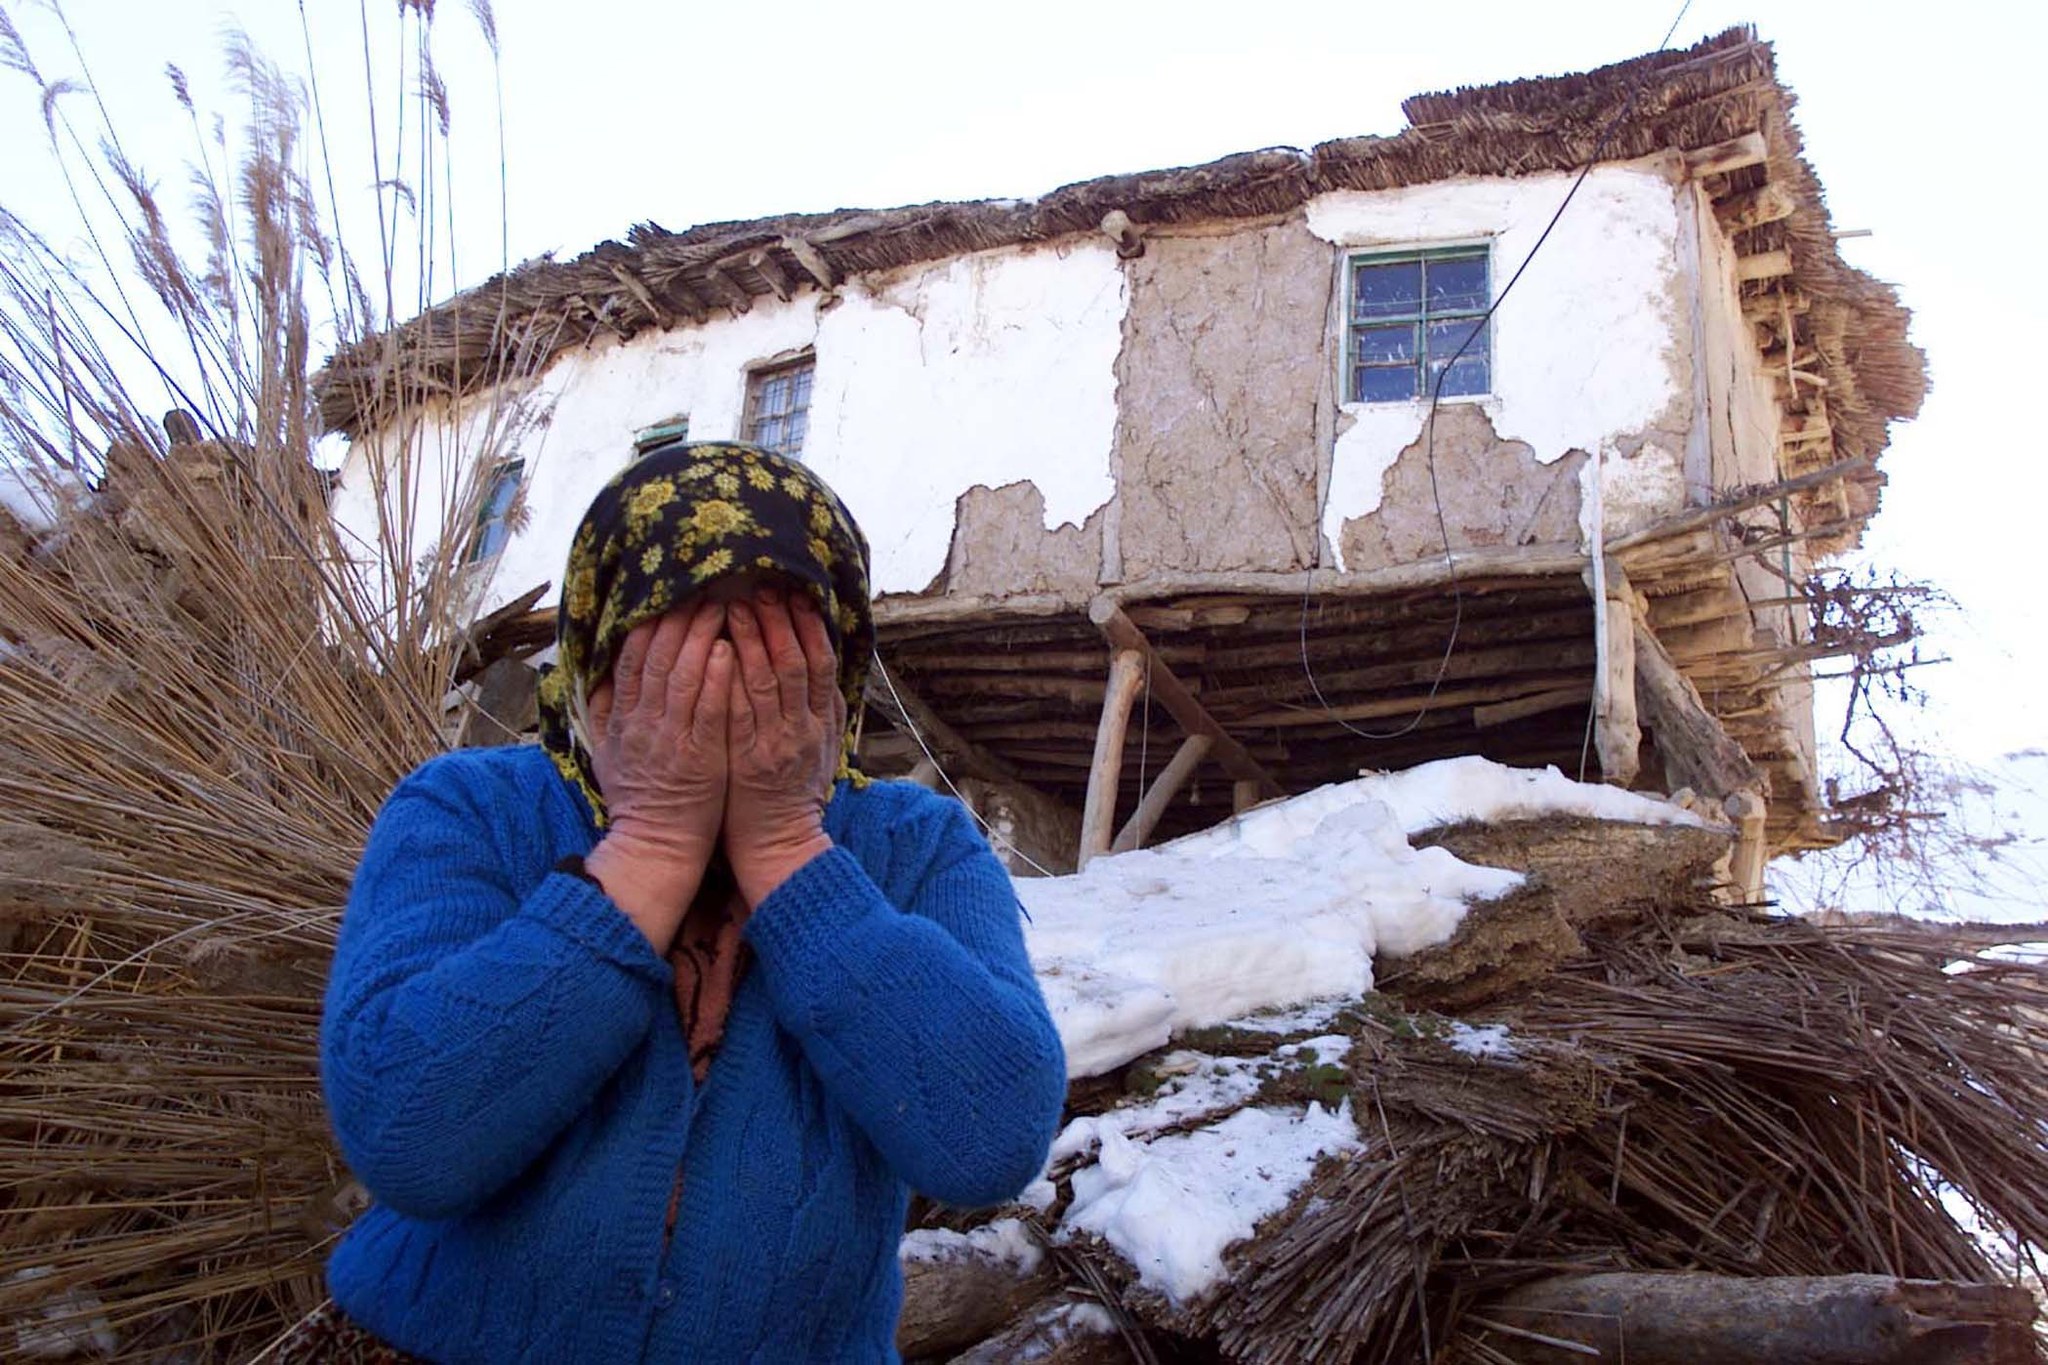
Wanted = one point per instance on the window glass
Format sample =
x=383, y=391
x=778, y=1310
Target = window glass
x=494, y=513
x=1410, y=315
x=779, y=408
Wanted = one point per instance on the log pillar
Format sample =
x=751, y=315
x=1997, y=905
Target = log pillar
x=1098, y=815
x=1617, y=733
x=1160, y=794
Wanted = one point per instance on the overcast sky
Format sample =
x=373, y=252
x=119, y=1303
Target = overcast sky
x=1921, y=122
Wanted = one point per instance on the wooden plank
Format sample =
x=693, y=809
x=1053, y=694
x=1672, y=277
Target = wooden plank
x=1764, y=265
x=1383, y=708
x=1098, y=814
x=1174, y=695
x=1160, y=795
x=1505, y=712
x=1742, y=502
x=1750, y=149
x=1698, y=751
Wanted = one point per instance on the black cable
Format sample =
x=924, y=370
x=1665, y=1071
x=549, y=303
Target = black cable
x=1429, y=440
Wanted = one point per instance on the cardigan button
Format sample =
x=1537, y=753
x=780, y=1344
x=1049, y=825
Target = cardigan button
x=665, y=1295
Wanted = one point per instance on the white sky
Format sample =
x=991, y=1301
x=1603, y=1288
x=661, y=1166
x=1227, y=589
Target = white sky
x=1922, y=124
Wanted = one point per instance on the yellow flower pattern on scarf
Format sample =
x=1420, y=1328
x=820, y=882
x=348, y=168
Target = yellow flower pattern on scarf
x=673, y=521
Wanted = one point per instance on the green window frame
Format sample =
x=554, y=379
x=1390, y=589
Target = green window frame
x=494, y=513
x=1408, y=314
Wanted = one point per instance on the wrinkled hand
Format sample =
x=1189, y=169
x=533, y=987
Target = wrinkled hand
x=785, y=722
x=659, y=730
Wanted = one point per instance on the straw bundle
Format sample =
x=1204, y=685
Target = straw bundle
x=1727, y=1094
x=209, y=689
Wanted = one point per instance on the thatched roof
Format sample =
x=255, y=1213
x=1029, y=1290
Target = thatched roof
x=1723, y=89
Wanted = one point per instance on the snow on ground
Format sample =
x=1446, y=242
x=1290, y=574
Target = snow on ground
x=1172, y=1206
x=1282, y=905
x=1480, y=1040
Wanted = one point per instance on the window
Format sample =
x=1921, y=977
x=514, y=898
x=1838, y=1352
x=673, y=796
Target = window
x=494, y=513
x=665, y=432
x=779, y=407
x=1410, y=314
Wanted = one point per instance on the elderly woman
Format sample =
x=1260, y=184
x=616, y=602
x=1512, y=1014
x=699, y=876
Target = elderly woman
x=640, y=1039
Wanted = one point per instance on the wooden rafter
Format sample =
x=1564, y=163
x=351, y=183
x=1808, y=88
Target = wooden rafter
x=1173, y=694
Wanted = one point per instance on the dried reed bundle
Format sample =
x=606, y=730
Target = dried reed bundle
x=210, y=688
x=1739, y=1095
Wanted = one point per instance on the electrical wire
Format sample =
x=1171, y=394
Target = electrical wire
x=903, y=712
x=1429, y=444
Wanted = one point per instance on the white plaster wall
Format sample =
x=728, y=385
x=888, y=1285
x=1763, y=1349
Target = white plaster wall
x=982, y=369
x=1592, y=345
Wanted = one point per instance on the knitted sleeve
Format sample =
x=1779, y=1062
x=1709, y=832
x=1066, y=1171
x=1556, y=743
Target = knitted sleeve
x=928, y=1027
x=463, y=1026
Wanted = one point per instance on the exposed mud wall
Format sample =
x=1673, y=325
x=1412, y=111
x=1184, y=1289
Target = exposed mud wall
x=1495, y=493
x=1001, y=546
x=1218, y=388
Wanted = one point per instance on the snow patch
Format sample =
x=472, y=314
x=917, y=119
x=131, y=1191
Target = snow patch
x=1005, y=1242
x=1285, y=904
x=1482, y=1040
x=1203, y=1085
x=1172, y=1206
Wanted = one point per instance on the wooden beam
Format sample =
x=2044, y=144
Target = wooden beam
x=904, y=709
x=1764, y=265
x=728, y=289
x=1119, y=630
x=1722, y=157
x=633, y=285
x=1244, y=795
x=1105, y=770
x=1385, y=708
x=766, y=266
x=813, y=261
x=1160, y=795
x=1685, y=1317
x=1506, y=712
x=1698, y=751
x=1767, y=203
x=1744, y=502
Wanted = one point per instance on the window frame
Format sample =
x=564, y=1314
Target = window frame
x=1420, y=320
x=487, y=519
x=758, y=378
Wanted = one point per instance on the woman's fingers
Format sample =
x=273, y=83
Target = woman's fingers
x=822, y=667
x=756, y=673
x=686, y=682
x=661, y=658
x=599, y=708
x=627, y=667
x=785, y=654
x=710, y=722
x=742, y=725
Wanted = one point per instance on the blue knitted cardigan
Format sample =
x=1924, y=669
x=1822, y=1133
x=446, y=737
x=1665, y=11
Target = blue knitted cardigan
x=505, y=1072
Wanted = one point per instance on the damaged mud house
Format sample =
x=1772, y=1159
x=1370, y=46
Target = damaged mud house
x=1460, y=1061
x=1146, y=466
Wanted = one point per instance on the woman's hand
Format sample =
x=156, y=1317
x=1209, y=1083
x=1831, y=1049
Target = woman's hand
x=786, y=721
x=659, y=730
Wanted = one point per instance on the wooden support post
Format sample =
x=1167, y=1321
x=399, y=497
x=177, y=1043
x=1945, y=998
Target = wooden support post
x=633, y=285
x=1698, y=751
x=728, y=290
x=1121, y=632
x=1244, y=795
x=1160, y=794
x=1746, y=869
x=1767, y=203
x=1617, y=734
x=1764, y=265
x=1098, y=815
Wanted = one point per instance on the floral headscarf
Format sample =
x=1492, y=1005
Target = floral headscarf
x=667, y=525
